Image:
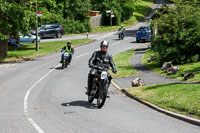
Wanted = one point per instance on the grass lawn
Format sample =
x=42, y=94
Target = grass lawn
x=122, y=63
x=189, y=67
x=177, y=97
x=27, y=51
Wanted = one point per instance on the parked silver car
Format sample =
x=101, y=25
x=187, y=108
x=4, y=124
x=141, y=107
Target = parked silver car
x=28, y=39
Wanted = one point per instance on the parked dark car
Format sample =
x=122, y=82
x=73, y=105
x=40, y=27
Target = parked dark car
x=143, y=34
x=50, y=30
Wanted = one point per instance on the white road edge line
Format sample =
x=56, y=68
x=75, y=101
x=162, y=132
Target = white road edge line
x=31, y=120
x=81, y=55
x=11, y=65
x=5, y=65
x=127, y=38
x=115, y=43
x=8, y=65
x=120, y=41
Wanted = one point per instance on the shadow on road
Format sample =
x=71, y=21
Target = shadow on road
x=141, y=49
x=81, y=104
x=59, y=68
x=116, y=39
x=133, y=42
x=130, y=33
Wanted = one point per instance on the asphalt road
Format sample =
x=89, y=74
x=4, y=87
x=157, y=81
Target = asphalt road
x=38, y=96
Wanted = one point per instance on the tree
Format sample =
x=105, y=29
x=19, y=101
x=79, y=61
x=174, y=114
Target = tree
x=128, y=7
x=13, y=18
x=178, y=38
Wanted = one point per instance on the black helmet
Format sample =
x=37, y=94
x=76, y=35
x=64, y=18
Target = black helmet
x=104, y=43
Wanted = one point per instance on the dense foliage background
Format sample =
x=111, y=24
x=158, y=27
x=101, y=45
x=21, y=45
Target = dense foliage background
x=19, y=15
x=178, y=37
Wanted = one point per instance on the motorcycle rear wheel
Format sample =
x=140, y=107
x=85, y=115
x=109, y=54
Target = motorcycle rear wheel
x=102, y=96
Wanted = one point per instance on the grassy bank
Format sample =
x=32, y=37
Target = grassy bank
x=141, y=10
x=27, y=51
x=122, y=62
x=189, y=67
x=177, y=97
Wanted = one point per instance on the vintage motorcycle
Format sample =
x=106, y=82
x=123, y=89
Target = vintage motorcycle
x=120, y=35
x=65, y=62
x=100, y=86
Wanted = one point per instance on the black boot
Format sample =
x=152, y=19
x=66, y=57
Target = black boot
x=88, y=91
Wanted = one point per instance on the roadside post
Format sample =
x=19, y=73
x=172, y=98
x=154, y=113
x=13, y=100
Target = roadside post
x=111, y=16
x=38, y=14
x=87, y=35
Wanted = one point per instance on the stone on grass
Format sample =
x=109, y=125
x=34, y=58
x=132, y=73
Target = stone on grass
x=188, y=75
x=166, y=65
x=137, y=82
x=172, y=70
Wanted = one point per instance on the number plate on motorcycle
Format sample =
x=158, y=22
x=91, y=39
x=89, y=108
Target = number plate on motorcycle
x=103, y=75
x=66, y=54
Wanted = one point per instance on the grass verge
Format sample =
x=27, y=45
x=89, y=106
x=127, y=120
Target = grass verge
x=189, y=67
x=177, y=97
x=27, y=51
x=122, y=63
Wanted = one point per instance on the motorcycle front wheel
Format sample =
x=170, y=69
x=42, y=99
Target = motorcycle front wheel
x=63, y=64
x=119, y=37
x=102, y=96
x=66, y=63
x=90, y=99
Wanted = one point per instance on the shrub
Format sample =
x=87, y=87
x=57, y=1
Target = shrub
x=178, y=38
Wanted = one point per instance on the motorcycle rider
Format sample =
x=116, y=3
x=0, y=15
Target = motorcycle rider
x=68, y=48
x=122, y=29
x=97, y=58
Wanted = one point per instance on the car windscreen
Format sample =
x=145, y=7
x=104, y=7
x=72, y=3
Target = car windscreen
x=144, y=28
x=42, y=27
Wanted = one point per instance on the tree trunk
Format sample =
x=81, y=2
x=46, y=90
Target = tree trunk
x=3, y=48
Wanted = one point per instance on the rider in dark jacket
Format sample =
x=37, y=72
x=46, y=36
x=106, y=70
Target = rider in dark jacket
x=100, y=57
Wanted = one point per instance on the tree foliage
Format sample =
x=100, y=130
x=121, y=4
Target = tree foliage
x=13, y=18
x=19, y=16
x=178, y=38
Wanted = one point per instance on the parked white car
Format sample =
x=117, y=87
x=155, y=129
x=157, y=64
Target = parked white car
x=28, y=39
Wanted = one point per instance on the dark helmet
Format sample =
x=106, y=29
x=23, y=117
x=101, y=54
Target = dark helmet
x=69, y=42
x=104, y=43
